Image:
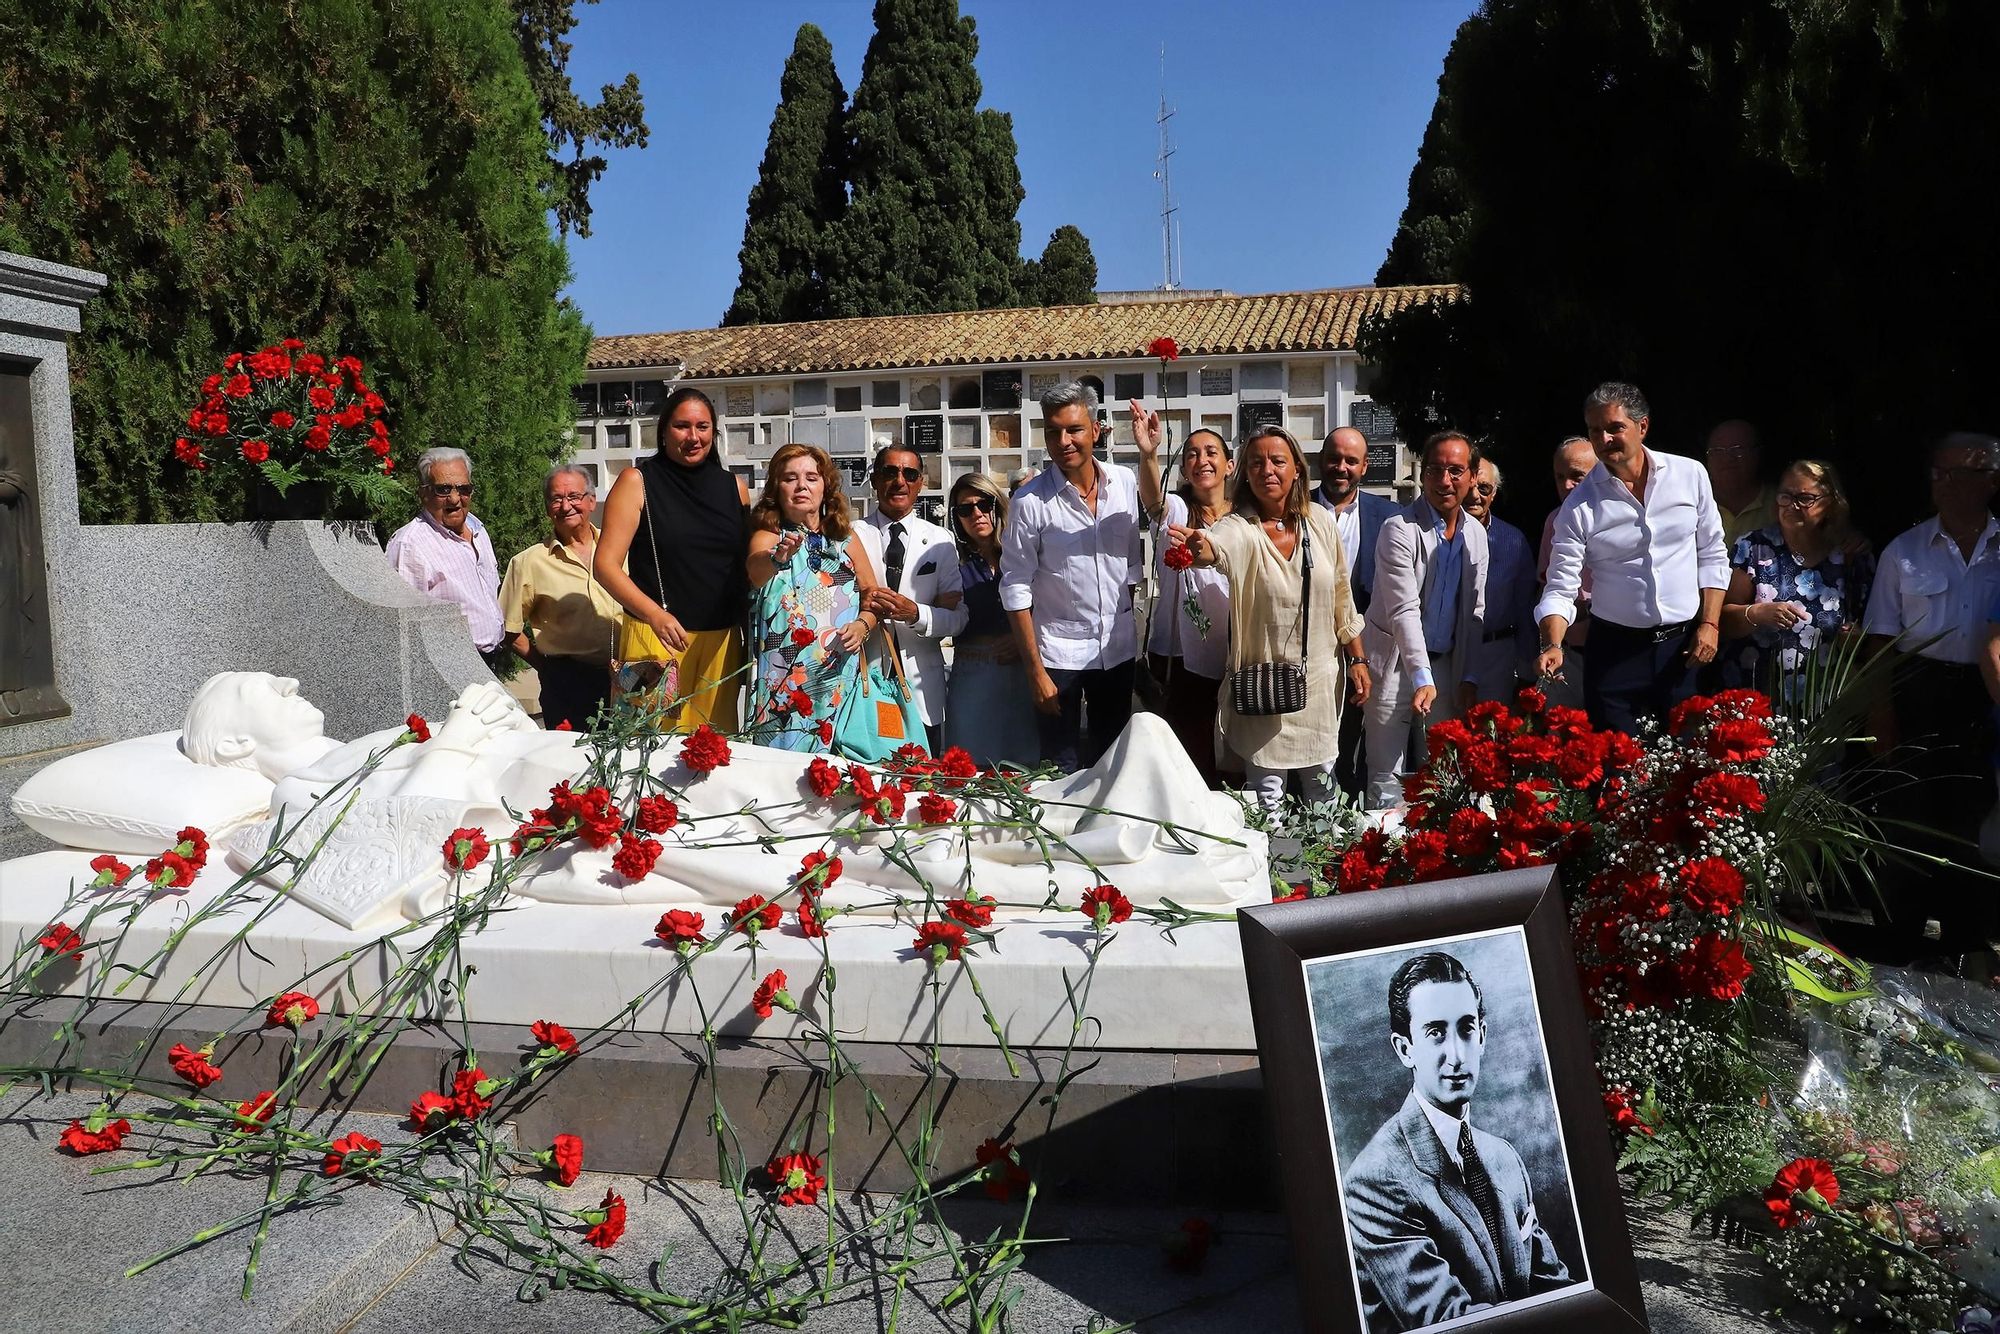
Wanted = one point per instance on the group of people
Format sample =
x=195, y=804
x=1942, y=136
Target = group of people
x=1656, y=574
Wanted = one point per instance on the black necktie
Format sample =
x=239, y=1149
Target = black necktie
x=895, y=557
x=1480, y=1187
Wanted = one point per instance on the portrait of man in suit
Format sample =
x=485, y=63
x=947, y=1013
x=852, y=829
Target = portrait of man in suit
x=1440, y=1210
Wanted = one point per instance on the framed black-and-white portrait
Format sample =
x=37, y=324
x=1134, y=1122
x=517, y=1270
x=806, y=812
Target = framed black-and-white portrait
x=1445, y=1158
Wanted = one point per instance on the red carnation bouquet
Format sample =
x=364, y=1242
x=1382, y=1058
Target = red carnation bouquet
x=289, y=415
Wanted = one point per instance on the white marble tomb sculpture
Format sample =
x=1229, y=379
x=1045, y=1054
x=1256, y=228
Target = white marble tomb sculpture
x=252, y=747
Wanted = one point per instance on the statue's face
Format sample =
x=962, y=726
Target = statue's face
x=277, y=721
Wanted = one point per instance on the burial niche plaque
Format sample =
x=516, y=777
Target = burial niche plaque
x=27, y=651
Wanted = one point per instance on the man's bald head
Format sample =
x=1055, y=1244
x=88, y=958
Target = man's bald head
x=1574, y=460
x=1343, y=462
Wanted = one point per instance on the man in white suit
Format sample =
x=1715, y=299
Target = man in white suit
x=917, y=561
x=1426, y=618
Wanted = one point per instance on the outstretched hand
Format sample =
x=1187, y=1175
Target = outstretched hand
x=1146, y=433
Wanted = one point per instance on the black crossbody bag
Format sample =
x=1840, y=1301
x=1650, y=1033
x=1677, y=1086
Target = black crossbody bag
x=1261, y=689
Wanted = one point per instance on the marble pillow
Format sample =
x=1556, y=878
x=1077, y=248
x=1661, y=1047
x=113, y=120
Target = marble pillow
x=135, y=795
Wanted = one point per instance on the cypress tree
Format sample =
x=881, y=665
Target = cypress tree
x=1065, y=275
x=369, y=175
x=801, y=192
x=617, y=121
x=932, y=204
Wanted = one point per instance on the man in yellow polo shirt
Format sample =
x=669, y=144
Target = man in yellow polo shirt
x=558, y=616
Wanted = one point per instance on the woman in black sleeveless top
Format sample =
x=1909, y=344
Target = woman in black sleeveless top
x=673, y=552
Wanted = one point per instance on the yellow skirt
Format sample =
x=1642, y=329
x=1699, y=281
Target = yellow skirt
x=705, y=677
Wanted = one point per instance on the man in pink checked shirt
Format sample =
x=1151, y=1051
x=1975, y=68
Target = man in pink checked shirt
x=445, y=552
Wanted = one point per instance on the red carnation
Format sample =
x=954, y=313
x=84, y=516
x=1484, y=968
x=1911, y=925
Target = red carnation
x=802, y=703
x=318, y=438
x=1187, y=1246
x=80, y=1139
x=1739, y=741
x=1000, y=1170
x=192, y=844
x=552, y=1034
x=635, y=857
x=258, y=1109
x=193, y=1066
x=1470, y=833
x=933, y=809
x=1714, y=967
x=1530, y=700
x=1166, y=349
x=291, y=1010
x=466, y=1099
x=1689, y=713
x=170, y=870
x=826, y=731
x=657, y=815
x=887, y=804
x=465, y=849
x=973, y=911
x=604, y=1234
x=679, y=927
x=59, y=938
x=933, y=937
x=351, y=1153
x=238, y=386
x=1177, y=557
x=284, y=421
x=822, y=777
x=1618, y=1106
x=431, y=1110
x=1105, y=906
x=1722, y=796
x=256, y=451
x=321, y=396
x=797, y=1177
x=109, y=871
x=566, y=1159
x=188, y=452
x=1359, y=872
x=816, y=872
x=809, y=926
x=705, y=751
x=1424, y=853
x=1484, y=767
x=1811, y=1178
x=1712, y=885
x=350, y=416
x=415, y=726
x=957, y=762
x=753, y=915
x=771, y=991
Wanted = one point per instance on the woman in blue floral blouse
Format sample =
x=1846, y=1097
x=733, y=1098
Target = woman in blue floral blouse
x=1796, y=587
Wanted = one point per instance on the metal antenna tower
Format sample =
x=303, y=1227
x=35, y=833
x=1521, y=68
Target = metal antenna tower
x=1170, y=223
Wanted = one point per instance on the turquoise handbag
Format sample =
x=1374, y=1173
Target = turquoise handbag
x=879, y=715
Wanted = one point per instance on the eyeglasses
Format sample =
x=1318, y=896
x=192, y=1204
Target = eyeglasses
x=965, y=509
x=1483, y=488
x=1800, y=500
x=1454, y=472
x=1731, y=451
x=1960, y=474
x=442, y=489
x=568, y=498
x=887, y=473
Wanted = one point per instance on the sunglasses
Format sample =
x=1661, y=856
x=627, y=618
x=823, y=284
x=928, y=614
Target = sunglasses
x=450, y=489
x=887, y=473
x=965, y=509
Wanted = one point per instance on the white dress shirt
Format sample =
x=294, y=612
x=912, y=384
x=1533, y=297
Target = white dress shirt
x=1076, y=569
x=930, y=570
x=1924, y=588
x=1447, y=1127
x=1648, y=560
x=1347, y=522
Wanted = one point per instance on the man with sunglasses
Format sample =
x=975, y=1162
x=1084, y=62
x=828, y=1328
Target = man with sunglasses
x=560, y=620
x=445, y=552
x=918, y=598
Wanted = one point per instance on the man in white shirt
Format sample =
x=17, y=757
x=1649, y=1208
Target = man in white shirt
x=1935, y=587
x=918, y=599
x=1357, y=516
x=1503, y=659
x=1645, y=525
x=1071, y=555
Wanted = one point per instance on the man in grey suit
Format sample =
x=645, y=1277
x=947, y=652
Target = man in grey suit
x=1426, y=618
x=1441, y=1213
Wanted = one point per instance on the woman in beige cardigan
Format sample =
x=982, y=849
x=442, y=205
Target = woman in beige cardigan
x=1263, y=546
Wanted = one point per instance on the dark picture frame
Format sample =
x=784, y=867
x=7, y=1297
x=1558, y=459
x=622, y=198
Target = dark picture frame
x=1281, y=941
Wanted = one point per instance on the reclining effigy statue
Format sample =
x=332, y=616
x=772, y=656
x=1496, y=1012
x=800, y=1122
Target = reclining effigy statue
x=1140, y=819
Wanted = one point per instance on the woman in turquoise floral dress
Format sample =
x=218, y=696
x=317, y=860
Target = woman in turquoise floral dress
x=1796, y=587
x=807, y=574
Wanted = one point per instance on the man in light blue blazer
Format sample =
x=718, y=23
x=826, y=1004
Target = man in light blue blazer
x=1440, y=1211
x=1357, y=516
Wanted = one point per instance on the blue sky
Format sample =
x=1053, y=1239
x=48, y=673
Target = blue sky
x=1297, y=126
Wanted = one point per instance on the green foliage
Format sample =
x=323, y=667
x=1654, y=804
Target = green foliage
x=800, y=194
x=1711, y=1155
x=1759, y=210
x=1065, y=275
x=370, y=175
x=930, y=223
x=618, y=121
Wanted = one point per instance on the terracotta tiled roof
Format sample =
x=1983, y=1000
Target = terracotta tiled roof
x=1209, y=326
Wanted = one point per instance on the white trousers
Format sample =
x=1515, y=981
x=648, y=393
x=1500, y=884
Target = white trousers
x=1396, y=736
x=1267, y=786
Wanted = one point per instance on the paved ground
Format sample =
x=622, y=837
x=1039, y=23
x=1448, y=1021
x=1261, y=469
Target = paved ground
x=369, y=1262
